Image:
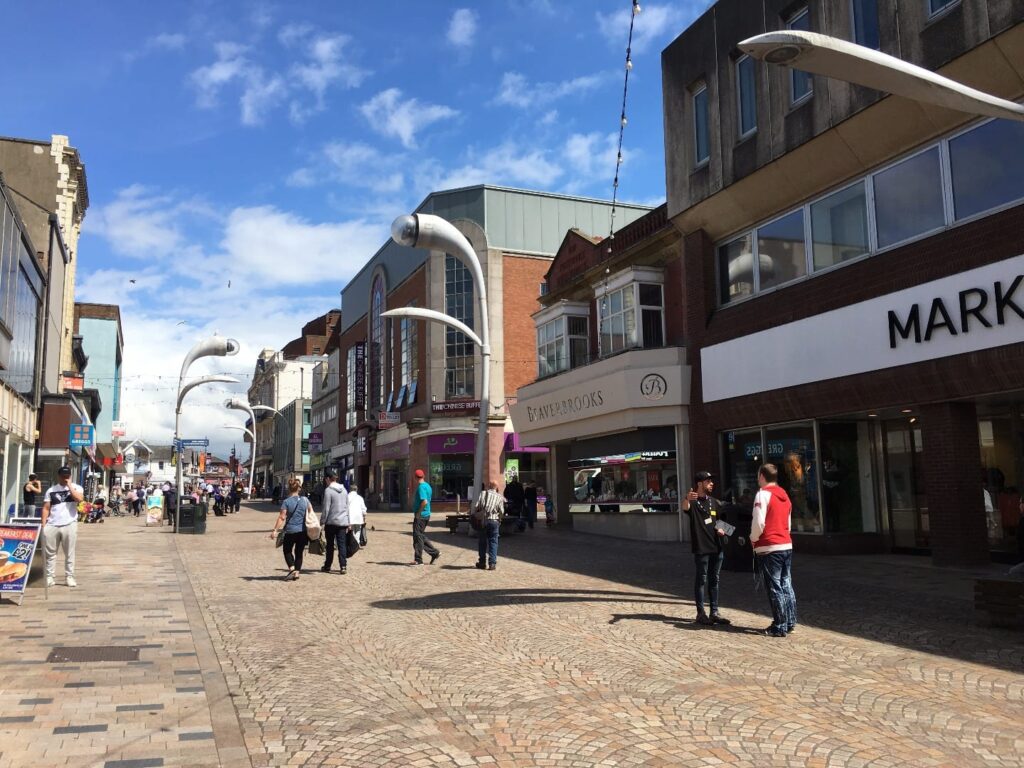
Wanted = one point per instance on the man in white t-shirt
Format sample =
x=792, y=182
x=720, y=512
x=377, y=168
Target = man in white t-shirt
x=60, y=525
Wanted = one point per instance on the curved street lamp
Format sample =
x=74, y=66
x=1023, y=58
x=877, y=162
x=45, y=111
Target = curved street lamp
x=424, y=230
x=238, y=404
x=252, y=436
x=265, y=408
x=842, y=60
x=215, y=346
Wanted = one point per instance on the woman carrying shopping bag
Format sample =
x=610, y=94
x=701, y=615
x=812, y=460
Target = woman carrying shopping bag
x=292, y=523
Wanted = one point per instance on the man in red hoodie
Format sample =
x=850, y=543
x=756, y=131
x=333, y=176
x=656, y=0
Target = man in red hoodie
x=773, y=549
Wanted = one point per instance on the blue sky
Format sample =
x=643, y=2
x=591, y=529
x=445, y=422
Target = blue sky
x=271, y=144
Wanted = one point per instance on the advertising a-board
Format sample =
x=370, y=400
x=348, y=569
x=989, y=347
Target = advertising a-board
x=17, y=548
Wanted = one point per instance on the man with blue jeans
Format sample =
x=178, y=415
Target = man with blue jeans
x=773, y=549
x=706, y=541
x=488, y=511
x=420, y=542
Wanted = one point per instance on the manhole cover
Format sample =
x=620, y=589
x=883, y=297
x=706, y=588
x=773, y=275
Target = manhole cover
x=64, y=654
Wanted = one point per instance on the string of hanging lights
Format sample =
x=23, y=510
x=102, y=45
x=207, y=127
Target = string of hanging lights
x=622, y=120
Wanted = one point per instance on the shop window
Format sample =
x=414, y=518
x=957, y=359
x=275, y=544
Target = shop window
x=451, y=476
x=839, y=227
x=936, y=7
x=746, y=96
x=631, y=482
x=781, y=255
x=800, y=84
x=742, y=455
x=459, y=352
x=791, y=449
x=908, y=198
x=987, y=167
x=736, y=268
x=1001, y=438
x=701, y=127
x=865, y=22
x=847, y=484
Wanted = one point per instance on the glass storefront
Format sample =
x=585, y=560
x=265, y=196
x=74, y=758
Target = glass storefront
x=394, y=480
x=531, y=468
x=1001, y=439
x=826, y=468
x=451, y=475
x=643, y=481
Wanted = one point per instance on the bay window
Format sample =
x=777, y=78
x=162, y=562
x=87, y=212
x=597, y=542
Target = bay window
x=631, y=311
x=563, y=338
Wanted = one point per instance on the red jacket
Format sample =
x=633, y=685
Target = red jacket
x=769, y=530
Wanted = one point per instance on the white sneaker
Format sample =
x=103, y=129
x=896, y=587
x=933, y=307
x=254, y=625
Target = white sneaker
x=50, y=581
x=71, y=581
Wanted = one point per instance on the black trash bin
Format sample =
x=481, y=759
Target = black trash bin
x=191, y=516
x=738, y=555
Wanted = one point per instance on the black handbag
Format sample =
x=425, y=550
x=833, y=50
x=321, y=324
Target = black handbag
x=351, y=544
x=362, y=536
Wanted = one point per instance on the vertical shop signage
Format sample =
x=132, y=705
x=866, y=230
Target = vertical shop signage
x=17, y=548
x=360, y=376
x=511, y=470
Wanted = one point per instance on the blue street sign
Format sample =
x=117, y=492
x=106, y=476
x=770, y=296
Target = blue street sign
x=196, y=442
x=80, y=435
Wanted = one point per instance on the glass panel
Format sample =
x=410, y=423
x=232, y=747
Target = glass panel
x=839, y=227
x=650, y=294
x=742, y=453
x=780, y=250
x=1001, y=435
x=629, y=328
x=800, y=82
x=934, y=6
x=847, y=486
x=578, y=352
x=791, y=449
x=652, y=328
x=617, y=331
x=908, y=509
x=908, y=199
x=736, y=268
x=615, y=302
x=988, y=167
x=577, y=326
x=865, y=23
x=747, y=95
x=701, y=133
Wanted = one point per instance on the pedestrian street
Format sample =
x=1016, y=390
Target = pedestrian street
x=577, y=650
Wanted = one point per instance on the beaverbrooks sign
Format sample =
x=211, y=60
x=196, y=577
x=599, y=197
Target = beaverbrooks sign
x=570, y=406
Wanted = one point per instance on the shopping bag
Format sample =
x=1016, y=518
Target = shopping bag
x=318, y=546
x=351, y=544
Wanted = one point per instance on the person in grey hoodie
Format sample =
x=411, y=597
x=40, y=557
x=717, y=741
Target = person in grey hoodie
x=335, y=521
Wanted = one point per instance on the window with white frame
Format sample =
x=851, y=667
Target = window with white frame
x=630, y=311
x=701, y=126
x=800, y=83
x=969, y=174
x=746, y=96
x=459, y=349
x=410, y=350
x=563, y=337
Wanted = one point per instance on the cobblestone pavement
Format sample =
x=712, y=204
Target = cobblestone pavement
x=576, y=651
x=169, y=707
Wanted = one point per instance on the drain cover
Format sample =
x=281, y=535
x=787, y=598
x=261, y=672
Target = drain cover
x=80, y=653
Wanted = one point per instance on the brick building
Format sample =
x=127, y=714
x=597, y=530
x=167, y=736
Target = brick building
x=409, y=394
x=851, y=266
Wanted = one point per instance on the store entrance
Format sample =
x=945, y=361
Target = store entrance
x=905, y=488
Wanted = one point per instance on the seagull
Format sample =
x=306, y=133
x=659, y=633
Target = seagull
x=132, y=282
x=181, y=322
x=229, y=283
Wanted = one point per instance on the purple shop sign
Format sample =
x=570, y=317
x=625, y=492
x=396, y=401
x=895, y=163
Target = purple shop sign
x=396, y=450
x=461, y=443
x=514, y=445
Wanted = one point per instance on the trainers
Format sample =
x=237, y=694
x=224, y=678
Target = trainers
x=50, y=581
x=718, y=619
x=492, y=567
x=702, y=618
x=71, y=581
x=774, y=632
x=482, y=566
x=434, y=557
x=344, y=570
x=790, y=629
x=325, y=569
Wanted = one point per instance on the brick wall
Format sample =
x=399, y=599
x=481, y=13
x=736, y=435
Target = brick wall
x=523, y=276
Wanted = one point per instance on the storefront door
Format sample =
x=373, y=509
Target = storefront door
x=908, y=502
x=395, y=480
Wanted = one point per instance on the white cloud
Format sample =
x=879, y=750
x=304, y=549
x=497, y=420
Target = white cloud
x=392, y=115
x=261, y=95
x=353, y=164
x=658, y=23
x=231, y=65
x=163, y=42
x=138, y=223
x=517, y=91
x=505, y=164
x=592, y=156
x=550, y=117
x=462, y=28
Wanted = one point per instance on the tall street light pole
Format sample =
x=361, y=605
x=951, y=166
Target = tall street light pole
x=842, y=60
x=252, y=436
x=215, y=346
x=268, y=409
x=423, y=230
x=236, y=403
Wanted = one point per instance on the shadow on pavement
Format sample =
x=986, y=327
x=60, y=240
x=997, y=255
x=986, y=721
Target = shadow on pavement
x=898, y=600
x=477, y=598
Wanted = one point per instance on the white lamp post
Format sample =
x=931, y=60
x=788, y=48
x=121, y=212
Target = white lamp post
x=842, y=60
x=422, y=230
x=252, y=436
x=265, y=408
x=216, y=346
x=238, y=404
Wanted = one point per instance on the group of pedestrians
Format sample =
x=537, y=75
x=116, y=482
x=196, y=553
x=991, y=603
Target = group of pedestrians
x=769, y=536
x=344, y=514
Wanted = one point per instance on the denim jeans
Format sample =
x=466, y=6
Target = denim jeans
x=420, y=542
x=335, y=535
x=776, y=570
x=707, y=568
x=487, y=541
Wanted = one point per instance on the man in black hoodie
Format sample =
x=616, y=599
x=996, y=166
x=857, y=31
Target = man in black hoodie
x=707, y=542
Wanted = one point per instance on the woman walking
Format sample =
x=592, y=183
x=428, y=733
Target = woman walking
x=293, y=518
